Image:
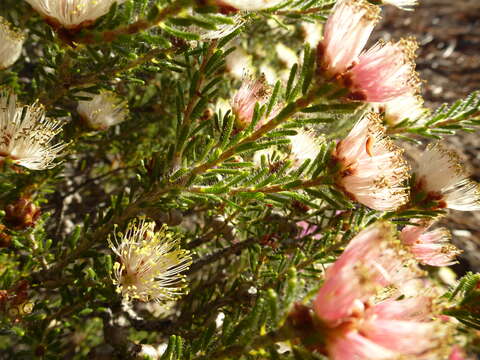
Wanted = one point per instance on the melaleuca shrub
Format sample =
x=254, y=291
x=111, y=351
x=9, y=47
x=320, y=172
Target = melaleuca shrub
x=216, y=179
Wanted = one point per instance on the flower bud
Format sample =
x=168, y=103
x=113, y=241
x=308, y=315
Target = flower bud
x=21, y=214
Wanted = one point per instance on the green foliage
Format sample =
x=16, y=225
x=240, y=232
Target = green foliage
x=236, y=194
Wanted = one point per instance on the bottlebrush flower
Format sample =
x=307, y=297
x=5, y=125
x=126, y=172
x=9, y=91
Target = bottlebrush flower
x=390, y=329
x=384, y=72
x=304, y=145
x=346, y=33
x=372, y=259
x=11, y=43
x=248, y=5
x=409, y=106
x=244, y=101
x=358, y=324
x=429, y=247
x=380, y=74
x=150, y=263
x=103, y=110
x=372, y=169
x=402, y=4
x=26, y=134
x=72, y=14
x=442, y=178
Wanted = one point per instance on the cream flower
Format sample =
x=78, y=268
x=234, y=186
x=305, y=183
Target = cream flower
x=103, y=110
x=11, y=43
x=372, y=169
x=409, y=106
x=441, y=176
x=304, y=146
x=26, y=134
x=72, y=14
x=150, y=263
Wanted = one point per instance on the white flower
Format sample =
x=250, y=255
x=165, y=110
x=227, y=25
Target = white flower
x=409, y=106
x=26, y=134
x=250, y=5
x=103, y=110
x=150, y=263
x=72, y=14
x=402, y=4
x=11, y=43
x=304, y=146
x=239, y=63
x=372, y=168
x=441, y=176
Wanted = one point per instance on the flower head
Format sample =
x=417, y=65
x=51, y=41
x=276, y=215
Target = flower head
x=440, y=175
x=346, y=33
x=429, y=247
x=372, y=169
x=409, y=106
x=150, y=263
x=374, y=258
x=11, y=43
x=384, y=72
x=72, y=14
x=244, y=101
x=359, y=317
x=249, y=5
x=304, y=145
x=26, y=134
x=103, y=110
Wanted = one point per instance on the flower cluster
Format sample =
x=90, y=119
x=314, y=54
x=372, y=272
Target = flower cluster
x=380, y=74
x=362, y=319
x=150, y=263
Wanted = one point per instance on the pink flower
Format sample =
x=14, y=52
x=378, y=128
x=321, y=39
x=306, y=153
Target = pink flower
x=356, y=322
x=372, y=259
x=244, y=101
x=384, y=72
x=372, y=169
x=346, y=33
x=429, y=248
x=389, y=329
